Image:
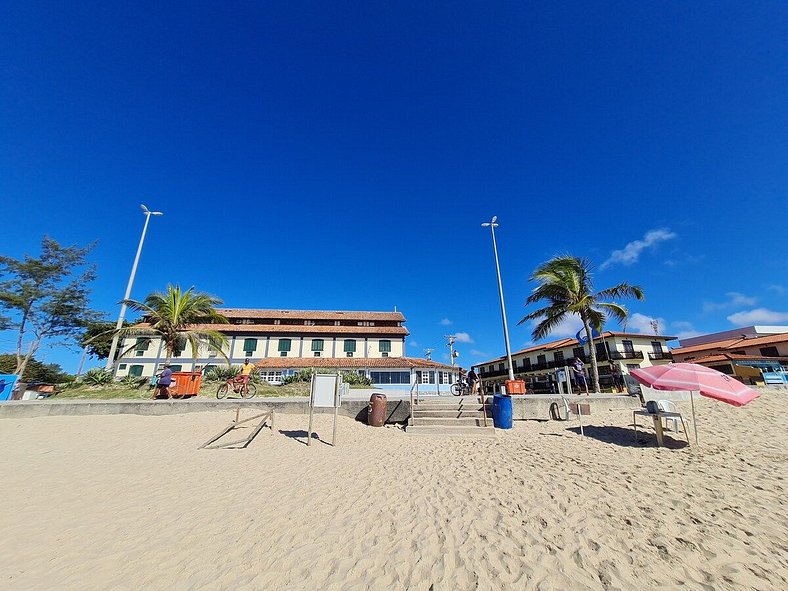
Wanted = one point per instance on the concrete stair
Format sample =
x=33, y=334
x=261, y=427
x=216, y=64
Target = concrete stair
x=458, y=417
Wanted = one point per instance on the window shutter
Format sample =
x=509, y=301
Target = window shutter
x=350, y=346
x=284, y=345
x=385, y=346
x=317, y=344
x=250, y=346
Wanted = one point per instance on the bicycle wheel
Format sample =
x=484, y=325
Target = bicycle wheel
x=251, y=390
x=456, y=389
x=222, y=391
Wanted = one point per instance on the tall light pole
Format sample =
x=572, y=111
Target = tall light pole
x=114, y=347
x=492, y=225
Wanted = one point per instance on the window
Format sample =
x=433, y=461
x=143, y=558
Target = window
x=601, y=352
x=350, y=346
x=558, y=356
x=427, y=377
x=526, y=363
x=365, y=323
x=390, y=377
x=135, y=371
x=656, y=347
x=250, y=346
x=385, y=347
x=122, y=366
x=628, y=346
x=284, y=345
x=176, y=367
x=270, y=376
x=500, y=367
x=317, y=345
x=444, y=377
x=309, y=322
x=769, y=352
x=141, y=346
x=631, y=366
x=541, y=359
x=579, y=353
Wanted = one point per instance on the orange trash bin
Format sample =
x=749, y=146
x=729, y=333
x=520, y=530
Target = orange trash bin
x=187, y=383
x=515, y=387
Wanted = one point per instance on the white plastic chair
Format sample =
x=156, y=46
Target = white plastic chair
x=669, y=406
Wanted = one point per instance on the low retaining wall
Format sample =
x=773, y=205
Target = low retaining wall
x=537, y=406
x=398, y=410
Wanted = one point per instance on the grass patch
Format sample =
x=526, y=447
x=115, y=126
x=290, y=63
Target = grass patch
x=208, y=390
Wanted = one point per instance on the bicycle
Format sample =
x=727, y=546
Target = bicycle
x=460, y=389
x=237, y=387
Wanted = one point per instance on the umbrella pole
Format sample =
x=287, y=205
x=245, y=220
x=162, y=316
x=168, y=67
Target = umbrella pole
x=694, y=422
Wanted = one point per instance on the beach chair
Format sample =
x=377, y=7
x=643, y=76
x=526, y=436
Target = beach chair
x=670, y=406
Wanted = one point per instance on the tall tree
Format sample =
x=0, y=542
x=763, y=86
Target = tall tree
x=174, y=316
x=46, y=297
x=97, y=338
x=35, y=371
x=565, y=285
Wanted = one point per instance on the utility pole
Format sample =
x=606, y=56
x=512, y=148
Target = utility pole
x=452, y=353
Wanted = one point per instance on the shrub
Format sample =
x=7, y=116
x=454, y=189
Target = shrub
x=133, y=381
x=355, y=379
x=98, y=377
x=222, y=373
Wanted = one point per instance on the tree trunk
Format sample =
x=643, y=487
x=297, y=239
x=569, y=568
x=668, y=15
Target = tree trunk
x=594, y=366
x=22, y=362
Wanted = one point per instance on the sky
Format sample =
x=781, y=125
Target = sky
x=343, y=155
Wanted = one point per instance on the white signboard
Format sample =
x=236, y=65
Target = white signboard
x=325, y=391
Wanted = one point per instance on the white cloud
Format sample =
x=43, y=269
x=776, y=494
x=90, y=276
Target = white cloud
x=685, y=330
x=758, y=316
x=477, y=353
x=568, y=327
x=778, y=289
x=414, y=344
x=642, y=324
x=446, y=322
x=463, y=337
x=735, y=300
x=631, y=252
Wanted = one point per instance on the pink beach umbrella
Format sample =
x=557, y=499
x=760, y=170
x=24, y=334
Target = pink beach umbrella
x=694, y=377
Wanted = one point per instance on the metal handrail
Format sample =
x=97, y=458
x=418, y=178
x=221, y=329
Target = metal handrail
x=414, y=386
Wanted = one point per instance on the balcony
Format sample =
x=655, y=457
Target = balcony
x=618, y=355
x=661, y=355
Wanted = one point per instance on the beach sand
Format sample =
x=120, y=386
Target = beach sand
x=129, y=502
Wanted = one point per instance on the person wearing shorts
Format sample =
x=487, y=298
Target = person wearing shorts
x=163, y=383
x=247, y=369
x=579, y=373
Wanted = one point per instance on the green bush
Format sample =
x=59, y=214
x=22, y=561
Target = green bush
x=97, y=377
x=133, y=381
x=222, y=372
x=355, y=379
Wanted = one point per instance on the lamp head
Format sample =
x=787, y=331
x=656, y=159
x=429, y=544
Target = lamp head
x=144, y=209
x=147, y=211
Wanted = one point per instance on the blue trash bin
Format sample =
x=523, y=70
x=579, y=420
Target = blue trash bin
x=502, y=411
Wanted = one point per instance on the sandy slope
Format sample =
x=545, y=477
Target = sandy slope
x=128, y=502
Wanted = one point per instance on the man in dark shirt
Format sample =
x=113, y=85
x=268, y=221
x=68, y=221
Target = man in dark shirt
x=163, y=385
x=579, y=373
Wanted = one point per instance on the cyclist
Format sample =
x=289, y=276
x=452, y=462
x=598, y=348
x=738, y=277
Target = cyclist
x=247, y=369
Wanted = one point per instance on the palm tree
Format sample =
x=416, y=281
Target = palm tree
x=174, y=315
x=566, y=287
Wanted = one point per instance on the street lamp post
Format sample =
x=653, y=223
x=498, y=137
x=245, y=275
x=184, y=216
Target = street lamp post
x=492, y=225
x=114, y=347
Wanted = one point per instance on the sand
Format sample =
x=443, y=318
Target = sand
x=129, y=502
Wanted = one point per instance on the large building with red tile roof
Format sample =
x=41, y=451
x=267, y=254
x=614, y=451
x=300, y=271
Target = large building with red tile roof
x=538, y=364
x=744, y=357
x=281, y=342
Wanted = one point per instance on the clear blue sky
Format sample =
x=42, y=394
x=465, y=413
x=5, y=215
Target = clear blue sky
x=341, y=155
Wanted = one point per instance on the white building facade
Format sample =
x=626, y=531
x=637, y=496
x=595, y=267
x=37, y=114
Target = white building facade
x=281, y=342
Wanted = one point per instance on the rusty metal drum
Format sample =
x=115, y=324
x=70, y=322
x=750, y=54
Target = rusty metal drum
x=376, y=415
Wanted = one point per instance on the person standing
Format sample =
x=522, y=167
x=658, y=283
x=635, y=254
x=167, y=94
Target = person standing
x=579, y=373
x=473, y=381
x=618, y=378
x=163, y=383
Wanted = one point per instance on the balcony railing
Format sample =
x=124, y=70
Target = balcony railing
x=617, y=355
x=661, y=355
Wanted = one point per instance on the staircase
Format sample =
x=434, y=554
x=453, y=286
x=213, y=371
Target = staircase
x=457, y=416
